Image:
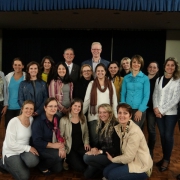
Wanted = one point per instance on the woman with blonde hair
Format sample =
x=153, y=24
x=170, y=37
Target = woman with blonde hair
x=125, y=66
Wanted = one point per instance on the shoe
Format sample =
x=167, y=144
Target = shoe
x=164, y=166
x=46, y=173
x=178, y=177
x=65, y=165
x=159, y=163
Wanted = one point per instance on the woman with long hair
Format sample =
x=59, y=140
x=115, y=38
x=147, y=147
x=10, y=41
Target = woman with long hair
x=33, y=88
x=166, y=97
x=99, y=91
x=75, y=131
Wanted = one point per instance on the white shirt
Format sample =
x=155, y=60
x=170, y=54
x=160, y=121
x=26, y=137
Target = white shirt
x=70, y=66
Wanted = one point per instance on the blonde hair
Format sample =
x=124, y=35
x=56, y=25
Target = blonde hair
x=26, y=102
x=84, y=65
x=96, y=43
x=121, y=62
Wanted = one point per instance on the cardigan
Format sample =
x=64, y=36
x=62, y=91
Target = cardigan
x=66, y=131
x=166, y=99
x=118, y=85
x=4, y=89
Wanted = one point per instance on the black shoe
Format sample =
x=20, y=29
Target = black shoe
x=164, y=166
x=159, y=163
x=46, y=173
x=178, y=177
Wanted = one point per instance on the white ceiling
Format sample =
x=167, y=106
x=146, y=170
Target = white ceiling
x=91, y=19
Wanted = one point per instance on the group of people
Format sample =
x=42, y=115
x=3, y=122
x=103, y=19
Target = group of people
x=89, y=118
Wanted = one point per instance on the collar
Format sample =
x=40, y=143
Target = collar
x=69, y=65
x=96, y=62
x=140, y=74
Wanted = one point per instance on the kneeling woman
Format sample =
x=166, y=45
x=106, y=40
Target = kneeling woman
x=75, y=131
x=135, y=162
x=47, y=140
x=108, y=141
x=18, y=155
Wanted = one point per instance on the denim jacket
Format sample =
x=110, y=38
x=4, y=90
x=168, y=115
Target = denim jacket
x=26, y=92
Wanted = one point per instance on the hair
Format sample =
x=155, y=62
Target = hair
x=176, y=74
x=101, y=65
x=66, y=78
x=156, y=64
x=121, y=62
x=108, y=74
x=69, y=49
x=81, y=115
x=125, y=106
x=17, y=59
x=51, y=69
x=109, y=125
x=26, y=102
x=85, y=65
x=96, y=43
x=139, y=59
x=28, y=77
x=48, y=100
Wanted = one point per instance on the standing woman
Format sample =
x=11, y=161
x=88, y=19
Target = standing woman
x=165, y=102
x=13, y=80
x=47, y=68
x=113, y=74
x=75, y=131
x=150, y=116
x=80, y=86
x=61, y=88
x=125, y=66
x=136, y=90
x=99, y=91
x=18, y=155
x=33, y=88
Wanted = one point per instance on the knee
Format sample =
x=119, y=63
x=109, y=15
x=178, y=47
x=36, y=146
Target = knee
x=24, y=176
x=34, y=162
x=86, y=158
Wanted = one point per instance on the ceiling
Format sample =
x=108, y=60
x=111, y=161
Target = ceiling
x=91, y=19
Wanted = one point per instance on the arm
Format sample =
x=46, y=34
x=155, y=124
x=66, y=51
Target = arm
x=114, y=100
x=155, y=94
x=123, y=91
x=86, y=133
x=21, y=98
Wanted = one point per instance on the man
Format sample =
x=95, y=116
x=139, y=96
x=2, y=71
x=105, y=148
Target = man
x=96, y=49
x=73, y=68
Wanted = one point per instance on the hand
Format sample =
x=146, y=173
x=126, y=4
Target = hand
x=58, y=145
x=109, y=156
x=62, y=153
x=3, y=112
x=35, y=114
x=34, y=151
x=159, y=115
x=137, y=116
x=95, y=151
x=87, y=147
x=156, y=111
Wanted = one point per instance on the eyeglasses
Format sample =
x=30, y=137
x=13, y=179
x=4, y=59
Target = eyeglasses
x=96, y=49
x=52, y=106
x=85, y=71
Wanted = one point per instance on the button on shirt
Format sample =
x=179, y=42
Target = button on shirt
x=136, y=91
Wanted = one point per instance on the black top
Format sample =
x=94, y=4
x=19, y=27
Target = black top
x=123, y=73
x=165, y=81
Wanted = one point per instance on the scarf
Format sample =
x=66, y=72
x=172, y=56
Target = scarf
x=95, y=86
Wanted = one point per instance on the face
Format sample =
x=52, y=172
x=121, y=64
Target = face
x=136, y=65
x=51, y=108
x=103, y=114
x=126, y=65
x=86, y=72
x=28, y=110
x=18, y=66
x=33, y=70
x=47, y=64
x=61, y=70
x=113, y=69
x=123, y=116
x=96, y=50
x=152, y=69
x=170, y=67
x=69, y=56
x=76, y=108
x=100, y=72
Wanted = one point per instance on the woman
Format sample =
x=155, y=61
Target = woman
x=165, y=102
x=108, y=141
x=99, y=91
x=125, y=66
x=18, y=155
x=13, y=80
x=136, y=90
x=33, y=88
x=47, y=67
x=47, y=140
x=75, y=131
x=150, y=116
x=114, y=75
x=61, y=88
x=135, y=162
x=80, y=86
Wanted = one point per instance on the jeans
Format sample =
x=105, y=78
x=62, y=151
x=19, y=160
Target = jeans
x=49, y=159
x=96, y=164
x=151, y=127
x=141, y=122
x=166, y=126
x=18, y=165
x=92, y=133
x=11, y=114
x=121, y=172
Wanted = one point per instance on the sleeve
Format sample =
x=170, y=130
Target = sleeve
x=86, y=133
x=114, y=101
x=62, y=126
x=21, y=97
x=123, y=91
x=155, y=94
x=146, y=93
x=5, y=92
x=11, y=135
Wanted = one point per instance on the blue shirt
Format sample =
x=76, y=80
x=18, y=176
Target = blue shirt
x=135, y=91
x=13, y=93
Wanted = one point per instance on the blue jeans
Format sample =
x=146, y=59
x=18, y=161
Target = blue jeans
x=92, y=133
x=166, y=126
x=121, y=172
x=151, y=127
x=141, y=122
x=96, y=164
x=18, y=165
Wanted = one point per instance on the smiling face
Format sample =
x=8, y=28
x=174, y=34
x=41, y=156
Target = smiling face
x=47, y=64
x=123, y=116
x=126, y=65
x=51, y=108
x=27, y=110
x=152, y=69
x=68, y=56
x=113, y=69
x=76, y=108
x=170, y=67
x=96, y=50
x=100, y=72
x=18, y=66
x=103, y=114
x=61, y=70
x=136, y=66
x=33, y=70
x=87, y=72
